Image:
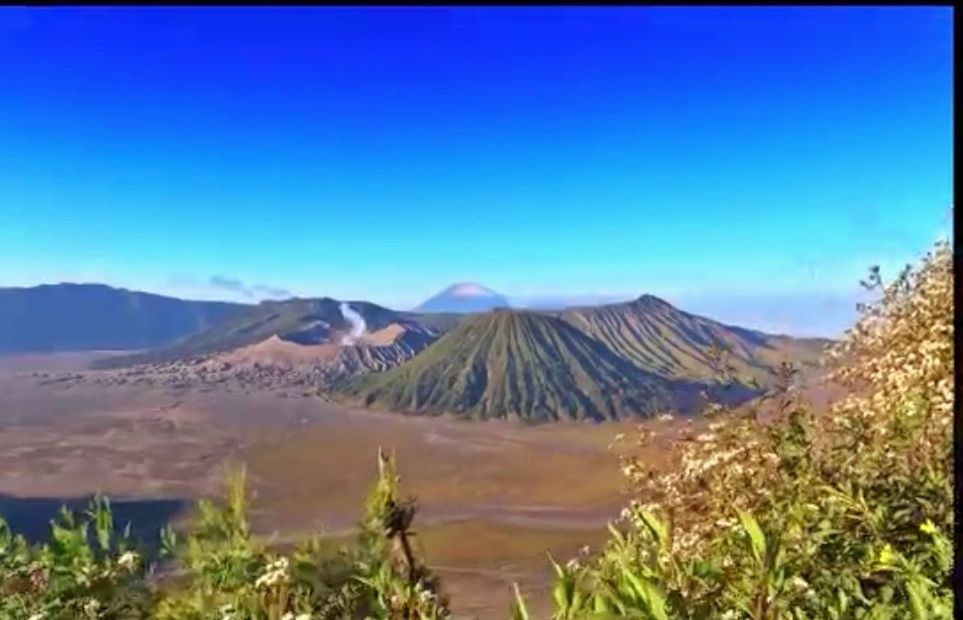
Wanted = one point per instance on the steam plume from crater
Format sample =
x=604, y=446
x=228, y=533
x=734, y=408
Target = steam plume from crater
x=358, y=325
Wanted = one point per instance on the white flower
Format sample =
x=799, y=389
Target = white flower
x=269, y=579
x=38, y=616
x=731, y=614
x=798, y=583
x=276, y=573
x=91, y=607
x=664, y=417
x=127, y=560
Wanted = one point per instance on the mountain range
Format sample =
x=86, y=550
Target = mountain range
x=602, y=362
x=78, y=317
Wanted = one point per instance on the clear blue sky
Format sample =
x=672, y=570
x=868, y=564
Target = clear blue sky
x=695, y=153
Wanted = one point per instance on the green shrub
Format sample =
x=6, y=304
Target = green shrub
x=842, y=515
x=217, y=571
x=84, y=571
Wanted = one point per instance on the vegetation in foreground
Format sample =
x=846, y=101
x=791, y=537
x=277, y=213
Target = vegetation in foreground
x=845, y=515
x=217, y=570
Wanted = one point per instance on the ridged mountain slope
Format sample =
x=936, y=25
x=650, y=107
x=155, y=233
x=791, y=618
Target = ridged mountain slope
x=513, y=364
x=303, y=321
x=278, y=363
x=661, y=339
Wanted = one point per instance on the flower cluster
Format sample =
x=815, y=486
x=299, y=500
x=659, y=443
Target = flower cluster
x=802, y=513
x=275, y=573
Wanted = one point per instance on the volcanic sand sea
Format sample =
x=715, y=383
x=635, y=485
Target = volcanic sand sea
x=494, y=497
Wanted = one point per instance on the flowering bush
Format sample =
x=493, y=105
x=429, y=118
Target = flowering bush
x=78, y=574
x=217, y=571
x=844, y=515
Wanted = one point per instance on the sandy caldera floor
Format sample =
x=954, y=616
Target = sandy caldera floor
x=494, y=498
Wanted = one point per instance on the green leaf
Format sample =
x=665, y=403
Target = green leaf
x=887, y=556
x=99, y=512
x=168, y=541
x=886, y=593
x=600, y=604
x=656, y=600
x=560, y=595
x=519, y=609
x=559, y=572
x=658, y=529
x=916, y=601
x=648, y=593
x=757, y=540
x=616, y=534
x=842, y=601
x=577, y=599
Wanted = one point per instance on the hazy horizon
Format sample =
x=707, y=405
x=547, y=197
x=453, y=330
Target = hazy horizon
x=550, y=154
x=817, y=316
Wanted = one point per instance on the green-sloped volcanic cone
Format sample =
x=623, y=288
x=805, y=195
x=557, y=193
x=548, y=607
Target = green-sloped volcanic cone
x=516, y=364
x=659, y=338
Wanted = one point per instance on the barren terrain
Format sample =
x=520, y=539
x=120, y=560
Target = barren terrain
x=494, y=496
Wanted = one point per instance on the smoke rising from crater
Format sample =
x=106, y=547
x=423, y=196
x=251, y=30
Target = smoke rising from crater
x=358, y=325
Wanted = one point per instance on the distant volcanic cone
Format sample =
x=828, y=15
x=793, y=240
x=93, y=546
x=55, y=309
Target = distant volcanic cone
x=464, y=298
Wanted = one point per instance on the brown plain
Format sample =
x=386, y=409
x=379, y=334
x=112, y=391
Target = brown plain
x=494, y=497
